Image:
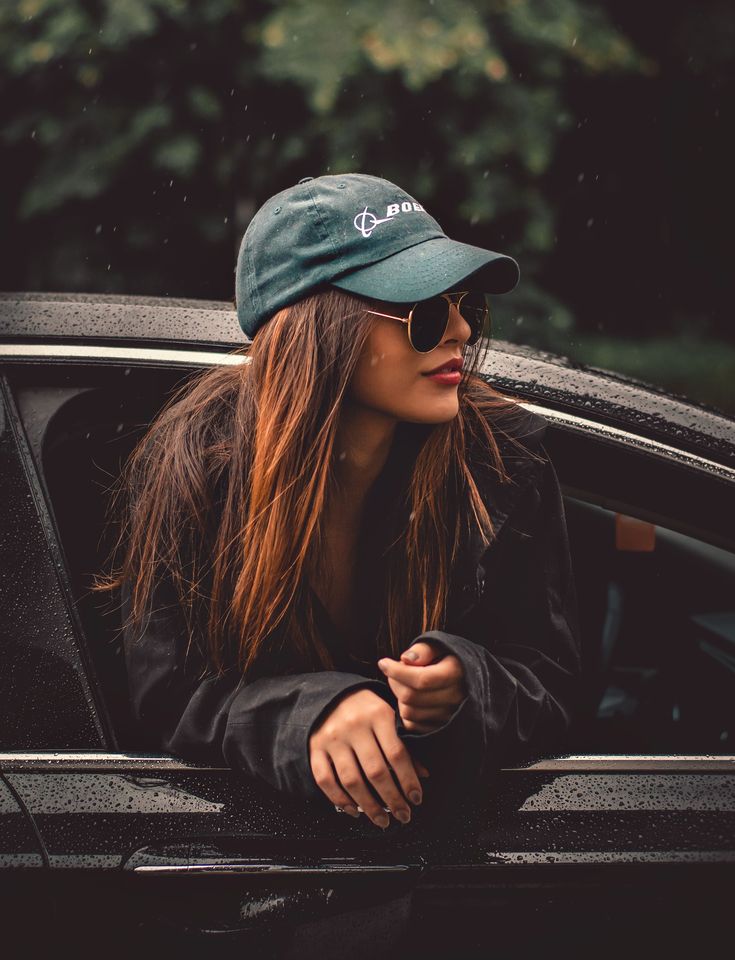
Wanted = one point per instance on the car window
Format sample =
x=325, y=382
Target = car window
x=82, y=423
x=657, y=612
x=654, y=584
x=45, y=699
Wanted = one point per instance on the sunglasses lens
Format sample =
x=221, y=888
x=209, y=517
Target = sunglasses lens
x=428, y=323
x=475, y=310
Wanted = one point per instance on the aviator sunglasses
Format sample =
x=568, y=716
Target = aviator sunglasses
x=428, y=319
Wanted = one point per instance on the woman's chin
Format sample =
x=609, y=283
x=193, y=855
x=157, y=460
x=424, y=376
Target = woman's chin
x=436, y=412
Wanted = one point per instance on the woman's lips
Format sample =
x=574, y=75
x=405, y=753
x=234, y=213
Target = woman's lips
x=451, y=379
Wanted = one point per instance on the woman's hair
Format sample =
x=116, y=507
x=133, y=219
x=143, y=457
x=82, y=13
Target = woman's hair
x=225, y=492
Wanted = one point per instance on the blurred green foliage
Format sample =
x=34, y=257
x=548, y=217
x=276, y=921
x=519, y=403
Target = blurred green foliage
x=139, y=136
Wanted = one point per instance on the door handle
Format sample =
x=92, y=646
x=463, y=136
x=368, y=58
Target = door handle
x=207, y=889
x=199, y=860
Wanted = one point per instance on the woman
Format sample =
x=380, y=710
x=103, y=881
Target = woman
x=342, y=574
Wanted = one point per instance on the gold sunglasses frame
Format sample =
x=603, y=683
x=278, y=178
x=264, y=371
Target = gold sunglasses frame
x=460, y=293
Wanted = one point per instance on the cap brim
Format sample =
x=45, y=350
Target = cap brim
x=431, y=267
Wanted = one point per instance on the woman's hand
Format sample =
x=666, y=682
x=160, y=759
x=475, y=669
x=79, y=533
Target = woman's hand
x=428, y=685
x=357, y=742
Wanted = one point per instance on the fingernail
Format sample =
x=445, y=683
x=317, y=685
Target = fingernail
x=415, y=797
x=353, y=811
x=403, y=815
x=411, y=655
x=382, y=821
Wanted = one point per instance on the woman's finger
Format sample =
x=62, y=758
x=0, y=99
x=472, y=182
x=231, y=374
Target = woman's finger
x=353, y=780
x=432, y=715
x=375, y=766
x=424, y=698
x=324, y=775
x=400, y=760
x=421, y=654
x=445, y=673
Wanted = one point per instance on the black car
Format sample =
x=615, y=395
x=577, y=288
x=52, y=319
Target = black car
x=625, y=844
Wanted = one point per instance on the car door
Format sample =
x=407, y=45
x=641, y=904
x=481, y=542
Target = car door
x=559, y=850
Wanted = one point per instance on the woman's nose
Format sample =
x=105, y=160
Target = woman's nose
x=458, y=327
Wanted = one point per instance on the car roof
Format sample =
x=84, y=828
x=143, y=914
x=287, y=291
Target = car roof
x=211, y=325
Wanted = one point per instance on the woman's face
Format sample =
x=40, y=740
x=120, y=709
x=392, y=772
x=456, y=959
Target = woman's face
x=390, y=374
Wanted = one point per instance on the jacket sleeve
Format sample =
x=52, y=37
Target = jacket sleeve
x=261, y=728
x=523, y=672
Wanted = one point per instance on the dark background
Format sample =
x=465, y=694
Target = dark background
x=590, y=140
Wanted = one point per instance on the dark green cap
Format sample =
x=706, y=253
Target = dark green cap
x=361, y=234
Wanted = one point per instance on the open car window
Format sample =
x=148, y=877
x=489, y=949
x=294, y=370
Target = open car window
x=654, y=565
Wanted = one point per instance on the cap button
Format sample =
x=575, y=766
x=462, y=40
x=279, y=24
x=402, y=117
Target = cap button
x=305, y=179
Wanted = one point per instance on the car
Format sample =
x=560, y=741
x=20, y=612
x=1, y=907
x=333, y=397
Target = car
x=626, y=842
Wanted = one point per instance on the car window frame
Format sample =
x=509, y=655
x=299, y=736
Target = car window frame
x=193, y=360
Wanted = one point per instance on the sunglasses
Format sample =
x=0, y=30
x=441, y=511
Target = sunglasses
x=428, y=319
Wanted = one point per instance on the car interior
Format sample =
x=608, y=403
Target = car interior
x=655, y=593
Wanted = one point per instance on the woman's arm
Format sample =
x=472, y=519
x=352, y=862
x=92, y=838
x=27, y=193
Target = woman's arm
x=261, y=727
x=523, y=676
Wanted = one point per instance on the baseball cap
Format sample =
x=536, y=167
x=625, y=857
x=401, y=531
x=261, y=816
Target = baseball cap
x=359, y=233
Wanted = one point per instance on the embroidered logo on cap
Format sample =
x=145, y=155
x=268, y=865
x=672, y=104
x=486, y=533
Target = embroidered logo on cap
x=365, y=222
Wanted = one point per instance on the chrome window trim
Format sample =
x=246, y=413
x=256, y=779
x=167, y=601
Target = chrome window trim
x=166, y=356
x=582, y=763
x=272, y=869
x=495, y=860
x=646, y=444
x=73, y=351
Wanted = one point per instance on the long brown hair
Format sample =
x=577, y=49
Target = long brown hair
x=225, y=491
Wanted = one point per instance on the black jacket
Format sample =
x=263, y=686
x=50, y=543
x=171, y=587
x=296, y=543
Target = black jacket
x=512, y=622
